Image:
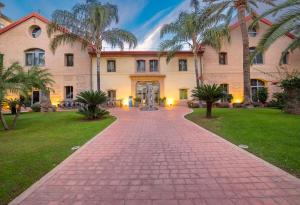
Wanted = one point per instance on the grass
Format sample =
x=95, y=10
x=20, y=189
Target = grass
x=270, y=134
x=40, y=142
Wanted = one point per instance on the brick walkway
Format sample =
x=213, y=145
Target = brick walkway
x=159, y=158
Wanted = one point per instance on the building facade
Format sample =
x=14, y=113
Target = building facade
x=125, y=74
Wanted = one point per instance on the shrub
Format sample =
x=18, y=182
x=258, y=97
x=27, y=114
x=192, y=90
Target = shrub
x=291, y=87
x=227, y=98
x=210, y=94
x=237, y=105
x=193, y=104
x=278, y=100
x=90, y=102
x=223, y=105
x=262, y=95
x=36, y=107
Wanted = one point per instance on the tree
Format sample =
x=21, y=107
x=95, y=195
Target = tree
x=285, y=23
x=229, y=7
x=194, y=30
x=89, y=23
x=210, y=94
x=91, y=101
x=19, y=82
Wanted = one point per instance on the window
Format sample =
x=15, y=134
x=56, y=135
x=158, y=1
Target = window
x=285, y=59
x=35, y=31
x=223, y=58
x=182, y=65
x=256, y=85
x=111, y=94
x=69, y=59
x=1, y=60
x=35, y=57
x=183, y=94
x=141, y=66
x=258, y=59
x=69, y=92
x=111, y=66
x=1, y=26
x=153, y=65
x=225, y=89
x=252, y=32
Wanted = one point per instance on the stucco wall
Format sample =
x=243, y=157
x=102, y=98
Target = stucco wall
x=15, y=41
x=121, y=80
x=232, y=72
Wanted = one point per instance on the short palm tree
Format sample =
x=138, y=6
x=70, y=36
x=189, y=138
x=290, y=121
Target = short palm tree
x=19, y=82
x=194, y=30
x=91, y=102
x=210, y=94
x=241, y=7
x=90, y=23
x=285, y=23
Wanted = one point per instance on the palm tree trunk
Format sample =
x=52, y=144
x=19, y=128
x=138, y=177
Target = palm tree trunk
x=246, y=55
x=3, y=122
x=196, y=68
x=98, y=71
x=208, y=109
x=201, y=70
x=16, y=116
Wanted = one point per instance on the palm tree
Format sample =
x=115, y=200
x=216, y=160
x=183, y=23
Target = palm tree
x=90, y=23
x=91, y=101
x=229, y=8
x=209, y=94
x=285, y=23
x=19, y=82
x=34, y=78
x=8, y=83
x=194, y=30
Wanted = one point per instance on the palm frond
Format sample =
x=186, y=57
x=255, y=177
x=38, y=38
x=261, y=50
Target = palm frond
x=117, y=37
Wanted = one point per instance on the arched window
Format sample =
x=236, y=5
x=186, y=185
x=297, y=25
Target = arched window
x=258, y=59
x=256, y=85
x=35, y=57
x=252, y=32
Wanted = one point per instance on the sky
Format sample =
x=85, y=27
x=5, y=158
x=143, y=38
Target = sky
x=144, y=18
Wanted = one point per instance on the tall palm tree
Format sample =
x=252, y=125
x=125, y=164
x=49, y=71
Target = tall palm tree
x=287, y=22
x=241, y=7
x=90, y=23
x=194, y=30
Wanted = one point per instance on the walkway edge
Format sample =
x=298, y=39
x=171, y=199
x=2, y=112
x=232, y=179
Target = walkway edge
x=53, y=171
x=292, y=177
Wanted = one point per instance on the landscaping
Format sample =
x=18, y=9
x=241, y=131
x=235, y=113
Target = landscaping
x=270, y=134
x=38, y=144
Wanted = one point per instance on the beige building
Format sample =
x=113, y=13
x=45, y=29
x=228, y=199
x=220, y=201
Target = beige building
x=126, y=73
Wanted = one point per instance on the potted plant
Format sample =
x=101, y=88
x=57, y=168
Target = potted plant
x=137, y=101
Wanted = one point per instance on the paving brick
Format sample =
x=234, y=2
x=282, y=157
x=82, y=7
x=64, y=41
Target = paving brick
x=159, y=158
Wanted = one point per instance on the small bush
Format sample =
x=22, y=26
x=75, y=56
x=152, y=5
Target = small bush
x=278, y=100
x=36, y=107
x=223, y=105
x=193, y=104
x=262, y=95
x=237, y=105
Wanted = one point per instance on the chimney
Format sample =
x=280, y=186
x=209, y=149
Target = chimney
x=1, y=7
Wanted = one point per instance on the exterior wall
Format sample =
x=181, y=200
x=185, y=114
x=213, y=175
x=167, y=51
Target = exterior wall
x=232, y=73
x=125, y=78
x=18, y=39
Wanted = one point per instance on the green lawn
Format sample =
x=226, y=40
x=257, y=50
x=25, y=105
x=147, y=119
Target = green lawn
x=270, y=134
x=40, y=142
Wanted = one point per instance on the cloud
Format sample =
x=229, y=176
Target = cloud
x=152, y=39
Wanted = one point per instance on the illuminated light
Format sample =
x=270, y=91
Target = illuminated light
x=55, y=100
x=170, y=101
x=237, y=100
x=125, y=102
